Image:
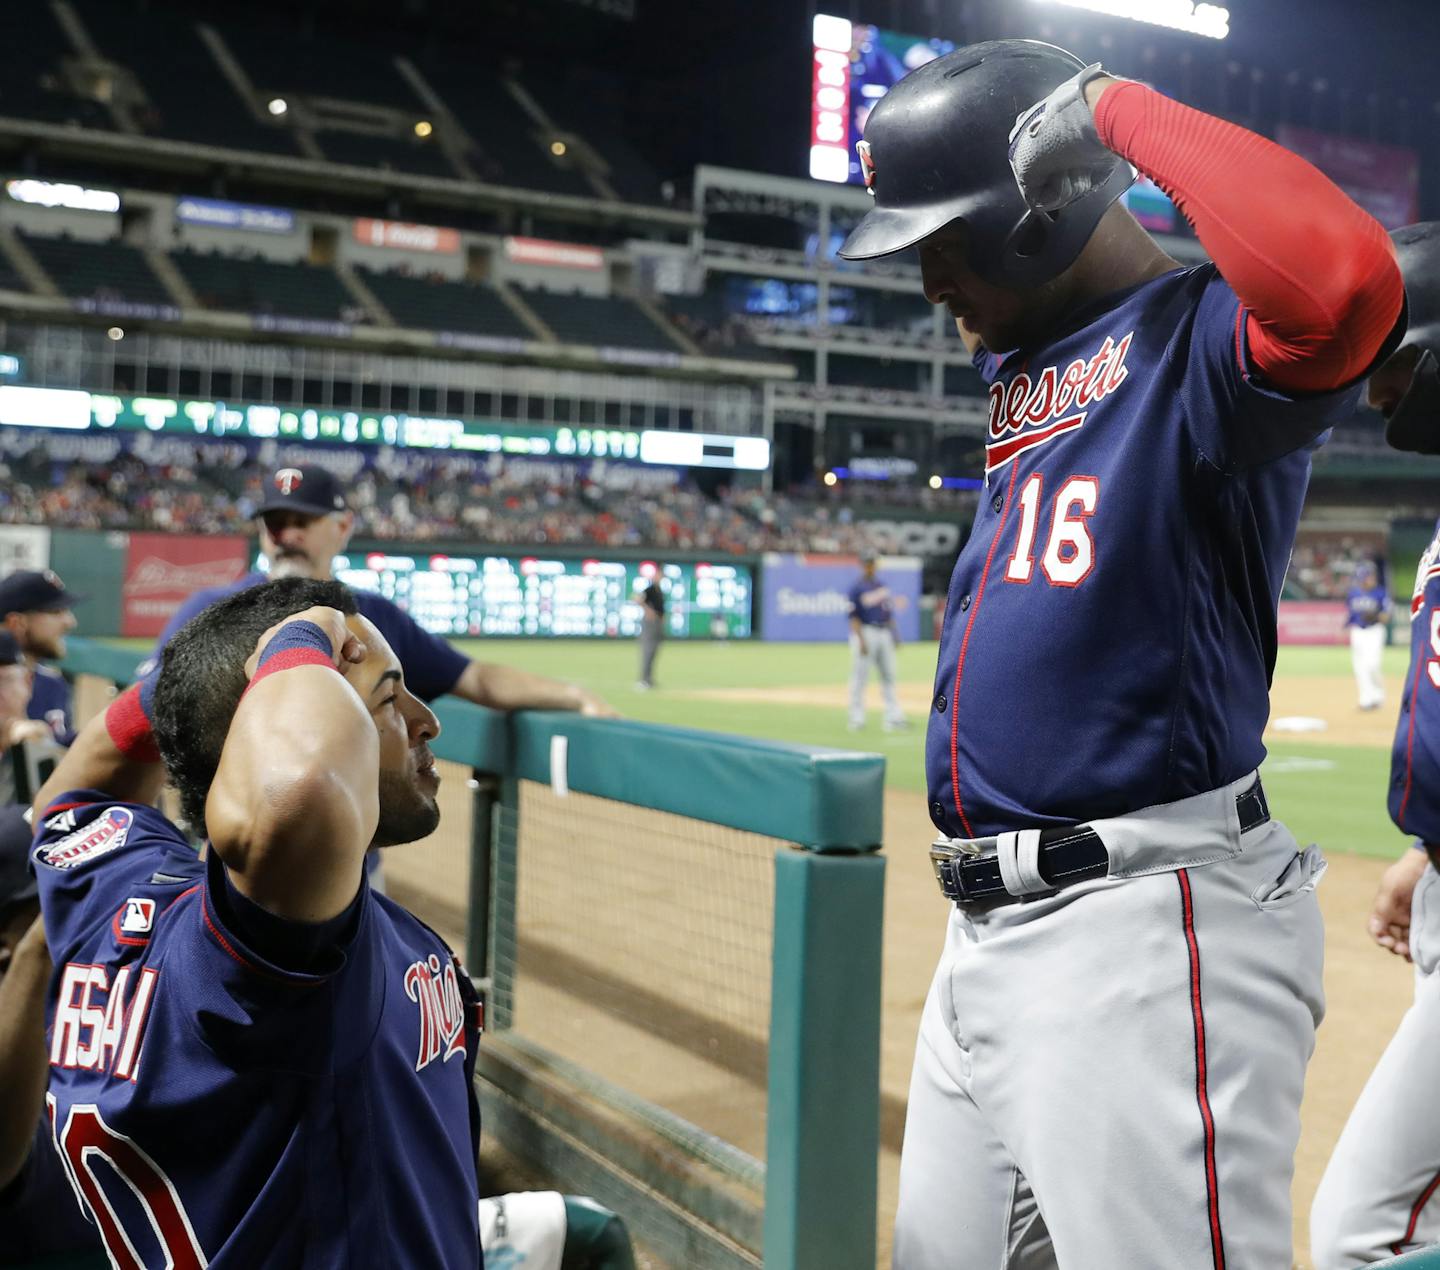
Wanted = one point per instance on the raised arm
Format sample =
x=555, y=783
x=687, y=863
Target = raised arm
x=24, y=1064
x=1315, y=272
x=295, y=801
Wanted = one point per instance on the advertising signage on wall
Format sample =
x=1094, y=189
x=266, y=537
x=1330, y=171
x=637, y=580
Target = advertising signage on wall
x=405, y=237
x=221, y=214
x=77, y=410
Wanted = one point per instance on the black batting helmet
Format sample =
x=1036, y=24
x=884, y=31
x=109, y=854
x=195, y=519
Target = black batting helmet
x=936, y=150
x=1414, y=424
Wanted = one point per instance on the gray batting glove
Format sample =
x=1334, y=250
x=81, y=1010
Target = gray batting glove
x=1055, y=152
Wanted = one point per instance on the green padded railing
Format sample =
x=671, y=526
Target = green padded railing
x=822, y=1120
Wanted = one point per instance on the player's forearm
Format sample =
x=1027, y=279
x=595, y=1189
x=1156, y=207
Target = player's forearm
x=295, y=800
x=113, y=754
x=23, y=1063
x=1309, y=329
x=509, y=688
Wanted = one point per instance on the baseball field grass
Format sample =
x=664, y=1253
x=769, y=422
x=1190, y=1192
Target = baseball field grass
x=1329, y=785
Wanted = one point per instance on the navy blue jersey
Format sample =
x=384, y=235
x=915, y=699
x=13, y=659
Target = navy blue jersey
x=431, y=665
x=39, y=1214
x=1109, y=629
x=870, y=602
x=50, y=703
x=1415, y=759
x=216, y=1108
x=1364, y=606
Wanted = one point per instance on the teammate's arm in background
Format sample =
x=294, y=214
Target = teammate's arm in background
x=24, y=1064
x=509, y=688
x=1308, y=329
x=295, y=800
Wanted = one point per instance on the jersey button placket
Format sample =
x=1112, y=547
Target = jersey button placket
x=998, y=502
x=940, y=703
x=965, y=601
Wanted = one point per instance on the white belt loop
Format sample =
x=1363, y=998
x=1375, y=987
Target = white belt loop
x=1019, y=856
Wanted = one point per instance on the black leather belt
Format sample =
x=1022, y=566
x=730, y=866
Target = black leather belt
x=1067, y=855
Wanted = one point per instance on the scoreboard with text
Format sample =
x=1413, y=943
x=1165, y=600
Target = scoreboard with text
x=521, y=595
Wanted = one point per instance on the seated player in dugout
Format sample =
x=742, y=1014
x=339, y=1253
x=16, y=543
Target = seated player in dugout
x=1378, y=1197
x=1113, y=1049
x=321, y=1036
x=304, y=524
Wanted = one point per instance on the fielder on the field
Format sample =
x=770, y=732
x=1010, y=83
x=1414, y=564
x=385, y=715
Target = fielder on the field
x=874, y=638
x=1378, y=1196
x=1367, y=614
x=1113, y=1050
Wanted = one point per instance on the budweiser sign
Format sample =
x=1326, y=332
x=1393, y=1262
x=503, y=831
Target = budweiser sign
x=162, y=571
x=154, y=574
x=542, y=251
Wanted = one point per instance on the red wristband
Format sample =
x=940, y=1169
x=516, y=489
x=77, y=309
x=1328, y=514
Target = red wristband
x=129, y=727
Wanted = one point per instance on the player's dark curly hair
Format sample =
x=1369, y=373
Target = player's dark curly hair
x=202, y=677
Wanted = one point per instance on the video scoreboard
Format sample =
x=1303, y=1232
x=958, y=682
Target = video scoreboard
x=522, y=595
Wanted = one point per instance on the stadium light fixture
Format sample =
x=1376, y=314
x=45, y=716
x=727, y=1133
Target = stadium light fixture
x=936, y=481
x=557, y=148
x=1194, y=16
x=831, y=478
x=423, y=128
x=277, y=106
x=116, y=333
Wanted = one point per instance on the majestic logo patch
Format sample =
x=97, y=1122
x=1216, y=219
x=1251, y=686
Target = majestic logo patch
x=287, y=480
x=442, y=1011
x=97, y=838
x=138, y=916
x=62, y=823
x=1031, y=410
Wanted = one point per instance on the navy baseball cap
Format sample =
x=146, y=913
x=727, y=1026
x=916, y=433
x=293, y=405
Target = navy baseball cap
x=17, y=882
x=35, y=591
x=310, y=490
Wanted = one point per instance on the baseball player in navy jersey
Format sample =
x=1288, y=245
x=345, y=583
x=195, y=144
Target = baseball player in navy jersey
x=1113, y=1049
x=1367, y=613
x=873, y=640
x=35, y=607
x=256, y=1060
x=1378, y=1196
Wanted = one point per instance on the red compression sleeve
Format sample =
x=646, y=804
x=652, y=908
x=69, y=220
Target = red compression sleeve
x=1315, y=273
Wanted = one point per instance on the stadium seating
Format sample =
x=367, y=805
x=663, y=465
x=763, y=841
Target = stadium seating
x=31, y=74
x=264, y=286
x=592, y=104
x=100, y=271
x=606, y=321
x=9, y=279
x=435, y=304
x=190, y=98
x=507, y=148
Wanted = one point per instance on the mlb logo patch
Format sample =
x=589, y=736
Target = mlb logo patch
x=101, y=836
x=138, y=916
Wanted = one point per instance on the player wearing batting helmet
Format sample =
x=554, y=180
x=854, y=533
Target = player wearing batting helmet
x=273, y=1061
x=1114, y=1046
x=1378, y=1195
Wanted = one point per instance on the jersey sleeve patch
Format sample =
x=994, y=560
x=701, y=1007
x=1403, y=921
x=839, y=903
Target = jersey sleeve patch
x=106, y=833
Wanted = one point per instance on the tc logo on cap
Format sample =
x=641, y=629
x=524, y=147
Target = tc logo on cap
x=52, y=578
x=867, y=166
x=287, y=480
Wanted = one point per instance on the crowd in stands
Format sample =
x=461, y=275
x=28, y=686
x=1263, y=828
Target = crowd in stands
x=170, y=485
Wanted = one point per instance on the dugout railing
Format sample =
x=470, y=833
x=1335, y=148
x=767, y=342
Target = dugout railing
x=678, y=934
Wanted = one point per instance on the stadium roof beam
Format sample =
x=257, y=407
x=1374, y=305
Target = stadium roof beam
x=282, y=170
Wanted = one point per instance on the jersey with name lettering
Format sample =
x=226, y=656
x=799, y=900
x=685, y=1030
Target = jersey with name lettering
x=1415, y=758
x=214, y=1108
x=50, y=703
x=1364, y=606
x=1109, y=630
x=870, y=602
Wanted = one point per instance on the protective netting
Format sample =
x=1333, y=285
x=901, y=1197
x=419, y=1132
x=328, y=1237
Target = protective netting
x=641, y=952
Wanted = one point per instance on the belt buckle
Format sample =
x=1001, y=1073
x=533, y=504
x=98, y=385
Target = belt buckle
x=945, y=852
